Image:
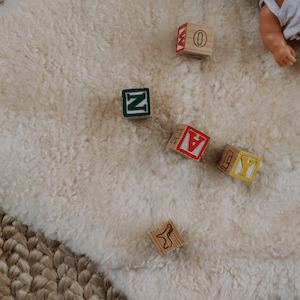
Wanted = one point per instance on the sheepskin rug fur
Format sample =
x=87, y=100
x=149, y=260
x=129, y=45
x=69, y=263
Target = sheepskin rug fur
x=75, y=169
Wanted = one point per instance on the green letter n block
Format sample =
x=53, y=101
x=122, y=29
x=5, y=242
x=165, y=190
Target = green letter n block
x=136, y=103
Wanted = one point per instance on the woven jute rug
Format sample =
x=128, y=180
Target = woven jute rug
x=34, y=267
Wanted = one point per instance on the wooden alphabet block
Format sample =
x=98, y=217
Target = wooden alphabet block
x=188, y=141
x=166, y=238
x=195, y=40
x=136, y=103
x=239, y=163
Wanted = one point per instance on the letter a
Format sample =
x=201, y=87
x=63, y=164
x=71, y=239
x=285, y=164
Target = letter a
x=193, y=143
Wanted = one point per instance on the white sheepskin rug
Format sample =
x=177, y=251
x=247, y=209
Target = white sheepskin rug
x=75, y=169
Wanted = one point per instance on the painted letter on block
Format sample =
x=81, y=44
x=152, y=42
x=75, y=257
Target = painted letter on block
x=193, y=143
x=200, y=38
x=136, y=103
x=246, y=166
x=181, y=38
x=227, y=160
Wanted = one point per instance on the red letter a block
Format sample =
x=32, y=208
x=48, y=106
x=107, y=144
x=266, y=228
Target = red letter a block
x=188, y=141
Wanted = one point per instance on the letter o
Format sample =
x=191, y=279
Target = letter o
x=200, y=38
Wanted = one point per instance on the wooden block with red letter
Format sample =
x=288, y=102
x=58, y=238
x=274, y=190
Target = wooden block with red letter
x=195, y=40
x=239, y=163
x=188, y=141
x=166, y=238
